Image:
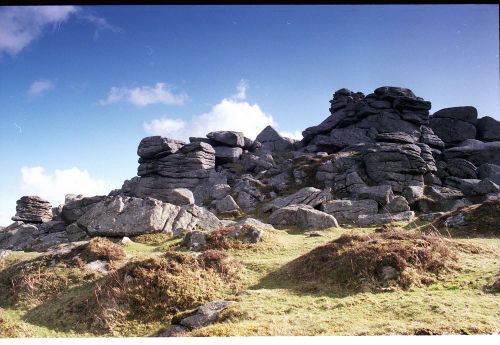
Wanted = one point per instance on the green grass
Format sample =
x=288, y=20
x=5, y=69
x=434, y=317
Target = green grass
x=459, y=302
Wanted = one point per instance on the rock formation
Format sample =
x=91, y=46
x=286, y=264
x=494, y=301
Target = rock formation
x=375, y=159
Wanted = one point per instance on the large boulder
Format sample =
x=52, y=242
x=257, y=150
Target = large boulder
x=228, y=138
x=304, y=217
x=272, y=140
x=348, y=211
x=33, y=209
x=466, y=114
x=128, y=216
x=488, y=129
x=225, y=154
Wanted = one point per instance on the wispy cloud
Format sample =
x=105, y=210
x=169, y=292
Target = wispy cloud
x=39, y=87
x=100, y=24
x=22, y=25
x=232, y=114
x=145, y=95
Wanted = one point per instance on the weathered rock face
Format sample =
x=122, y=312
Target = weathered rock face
x=76, y=206
x=127, y=216
x=304, y=217
x=306, y=196
x=32, y=209
x=273, y=141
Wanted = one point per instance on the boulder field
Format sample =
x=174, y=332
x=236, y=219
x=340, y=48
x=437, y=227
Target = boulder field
x=375, y=159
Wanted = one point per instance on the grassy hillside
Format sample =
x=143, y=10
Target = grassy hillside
x=459, y=300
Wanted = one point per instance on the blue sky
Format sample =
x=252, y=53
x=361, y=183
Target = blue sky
x=80, y=86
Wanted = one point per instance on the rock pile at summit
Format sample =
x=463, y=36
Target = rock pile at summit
x=375, y=159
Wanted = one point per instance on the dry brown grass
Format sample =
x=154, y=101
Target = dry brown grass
x=157, y=288
x=99, y=248
x=357, y=261
x=220, y=239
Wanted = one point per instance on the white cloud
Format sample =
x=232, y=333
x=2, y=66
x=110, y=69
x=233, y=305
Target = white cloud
x=166, y=127
x=54, y=186
x=292, y=135
x=22, y=25
x=39, y=87
x=231, y=114
x=145, y=95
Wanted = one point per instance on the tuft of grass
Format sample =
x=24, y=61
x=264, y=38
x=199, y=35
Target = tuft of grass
x=358, y=261
x=98, y=248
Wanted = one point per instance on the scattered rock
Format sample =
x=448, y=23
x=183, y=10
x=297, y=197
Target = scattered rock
x=194, y=240
x=226, y=205
x=205, y=314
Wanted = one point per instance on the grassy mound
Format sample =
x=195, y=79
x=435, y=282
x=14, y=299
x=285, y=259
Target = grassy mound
x=482, y=219
x=144, y=293
x=99, y=248
x=371, y=261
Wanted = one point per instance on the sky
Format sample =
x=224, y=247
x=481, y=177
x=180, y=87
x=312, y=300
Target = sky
x=81, y=86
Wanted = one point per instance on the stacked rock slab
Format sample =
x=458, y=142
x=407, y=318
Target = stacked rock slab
x=32, y=209
x=167, y=164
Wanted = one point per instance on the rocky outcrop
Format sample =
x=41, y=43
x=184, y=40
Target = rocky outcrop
x=32, y=209
x=374, y=159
